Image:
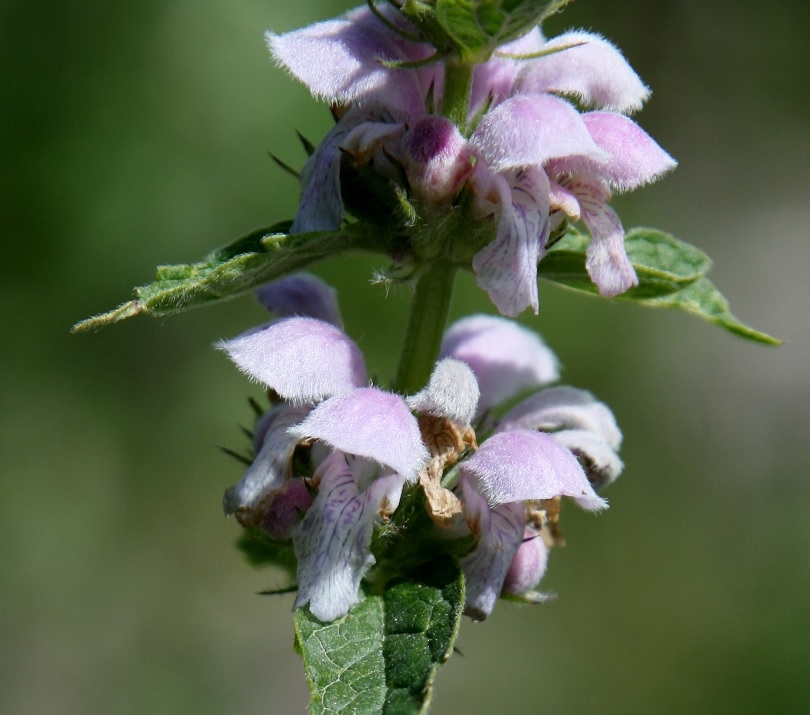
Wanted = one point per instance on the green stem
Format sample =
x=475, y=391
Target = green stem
x=457, y=86
x=426, y=323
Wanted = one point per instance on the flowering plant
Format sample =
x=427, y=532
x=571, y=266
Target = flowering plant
x=463, y=139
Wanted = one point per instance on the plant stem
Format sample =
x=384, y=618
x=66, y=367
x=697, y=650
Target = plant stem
x=426, y=323
x=457, y=86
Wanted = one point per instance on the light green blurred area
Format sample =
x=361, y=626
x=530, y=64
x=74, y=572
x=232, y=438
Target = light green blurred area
x=137, y=134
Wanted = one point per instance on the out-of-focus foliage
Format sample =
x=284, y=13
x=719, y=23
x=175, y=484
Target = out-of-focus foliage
x=137, y=134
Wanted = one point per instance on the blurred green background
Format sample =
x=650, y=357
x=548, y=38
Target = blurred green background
x=137, y=133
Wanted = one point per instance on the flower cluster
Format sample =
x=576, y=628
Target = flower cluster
x=524, y=153
x=335, y=457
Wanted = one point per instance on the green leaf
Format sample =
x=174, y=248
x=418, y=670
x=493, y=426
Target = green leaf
x=422, y=617
x=704, y=300
x=670, y=274
x=382, y=657
x=476, y=27
x=663, y=263
x=239, y=267
x=344, y=659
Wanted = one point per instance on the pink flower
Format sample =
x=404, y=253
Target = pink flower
x=537, y=158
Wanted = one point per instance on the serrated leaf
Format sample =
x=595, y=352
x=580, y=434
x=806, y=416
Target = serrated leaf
x=239, y=267
x=663, y=263
x=704, y=300
x=670, y=273
x=476, y=27
x=383, y=655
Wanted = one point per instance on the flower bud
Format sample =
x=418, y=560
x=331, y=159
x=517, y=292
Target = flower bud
x=436, y=159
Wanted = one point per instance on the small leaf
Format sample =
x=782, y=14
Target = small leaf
x=476, y=27
x=383, y=655
x=239, y=267
x=663, y=263
x=704, y=300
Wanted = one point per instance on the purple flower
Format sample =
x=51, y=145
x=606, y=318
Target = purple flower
x=373, y=448
x=377, y=449
x=511, y=468
x=537, y=159
x=367, y=446
x=558, y=442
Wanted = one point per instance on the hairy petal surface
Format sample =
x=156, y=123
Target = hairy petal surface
x=452, y=392
x=529, y=130
x=301, y=295
x=302, y=359
x=250, y=498
x=600, y=462
x=594, y=71
x=631, y=157
x=500, y=532
x=507, y=268
x=333, y=542
x=342, y=61
x=605, y=258
x=524, y=465
x=505, y=357
x=436, y=159
x=369, y=423
x=634, y=158
x=563, y=407
x=494, y=80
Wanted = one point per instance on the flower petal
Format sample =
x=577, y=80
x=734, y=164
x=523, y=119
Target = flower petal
x=495, y=79
x=360, y=130
x=303, y=295
x=634, y=157
x=595, y=72
x=302, y=359
x=250, y=499
x=369, y=423
x=285, y=510
x=333, y=542
x=605, y=259
x=505, y=357
x=631, y=157
x=452, y=392
x=500, y=532
x=601, y=464
x=528, y=566
x=342, y=61
x=529, y=130
x=563, y=407
x=507, y=268
x=521, y=464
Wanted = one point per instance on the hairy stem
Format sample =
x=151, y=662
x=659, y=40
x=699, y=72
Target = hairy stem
x=457, y=86
x=426, y=323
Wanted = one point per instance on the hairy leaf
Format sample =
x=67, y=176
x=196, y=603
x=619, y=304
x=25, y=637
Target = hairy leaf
x=239, y=267
x=383, y=655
